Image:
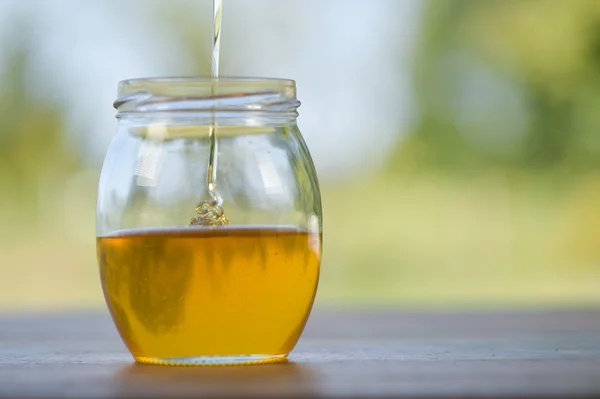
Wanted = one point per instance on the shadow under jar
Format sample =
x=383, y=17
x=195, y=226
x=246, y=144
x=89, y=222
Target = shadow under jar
x=184, y=294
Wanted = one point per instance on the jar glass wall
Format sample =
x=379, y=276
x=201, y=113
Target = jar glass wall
x=182, y=293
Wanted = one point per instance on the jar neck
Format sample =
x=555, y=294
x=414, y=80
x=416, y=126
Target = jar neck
x=224, y=101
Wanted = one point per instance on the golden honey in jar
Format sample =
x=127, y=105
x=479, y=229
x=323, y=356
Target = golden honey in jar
x=224, y=292
x=184, y=293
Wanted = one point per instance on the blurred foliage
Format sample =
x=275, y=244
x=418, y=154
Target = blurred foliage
x=506, y=150
x=452, y=240
x=491, y=198
x=507, y=83
x=47, y=201
x=33, y=145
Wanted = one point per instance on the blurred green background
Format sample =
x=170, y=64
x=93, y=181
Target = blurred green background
x=474, y=183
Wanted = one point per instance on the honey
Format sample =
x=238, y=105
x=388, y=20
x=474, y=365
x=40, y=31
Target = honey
x=198, y=293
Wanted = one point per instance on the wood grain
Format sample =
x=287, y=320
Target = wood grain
x=358, y=354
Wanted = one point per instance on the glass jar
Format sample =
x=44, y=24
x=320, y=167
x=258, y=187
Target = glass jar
x=208, y=264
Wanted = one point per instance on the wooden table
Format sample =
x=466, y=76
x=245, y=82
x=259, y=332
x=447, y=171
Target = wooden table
x=342, y=354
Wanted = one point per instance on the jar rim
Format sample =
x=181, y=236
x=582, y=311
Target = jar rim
x=197, y=94
x=207, y=79
x=202, y=85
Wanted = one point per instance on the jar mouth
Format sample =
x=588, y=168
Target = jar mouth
x=205, y=94
x=208, y=79
x=203, y=85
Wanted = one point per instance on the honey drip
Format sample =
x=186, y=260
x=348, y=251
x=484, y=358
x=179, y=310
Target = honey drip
x=210, y=212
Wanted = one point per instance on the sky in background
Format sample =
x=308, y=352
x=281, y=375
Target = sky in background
x=350, y=59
